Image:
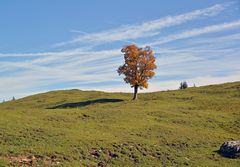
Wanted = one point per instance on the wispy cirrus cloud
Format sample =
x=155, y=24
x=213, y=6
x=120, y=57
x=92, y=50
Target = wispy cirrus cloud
x=174, y=83
x=197, y=32
x=146, y=29
x=64, y=53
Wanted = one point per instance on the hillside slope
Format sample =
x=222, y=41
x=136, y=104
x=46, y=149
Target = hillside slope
x=74, y=128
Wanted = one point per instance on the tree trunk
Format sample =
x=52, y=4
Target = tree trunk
x=135, y=92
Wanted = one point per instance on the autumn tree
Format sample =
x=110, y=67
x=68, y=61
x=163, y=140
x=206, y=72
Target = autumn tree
x=138, y=67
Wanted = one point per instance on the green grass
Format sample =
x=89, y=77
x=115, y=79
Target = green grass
x=170, y=128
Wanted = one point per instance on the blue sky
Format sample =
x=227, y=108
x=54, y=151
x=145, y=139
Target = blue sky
x=48, y=45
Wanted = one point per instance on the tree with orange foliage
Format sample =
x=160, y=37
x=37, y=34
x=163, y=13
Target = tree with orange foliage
x=138, y=67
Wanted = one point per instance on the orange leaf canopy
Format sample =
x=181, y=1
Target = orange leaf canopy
x=139, y=65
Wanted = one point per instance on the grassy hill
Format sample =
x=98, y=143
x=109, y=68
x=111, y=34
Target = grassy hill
x=74, y=128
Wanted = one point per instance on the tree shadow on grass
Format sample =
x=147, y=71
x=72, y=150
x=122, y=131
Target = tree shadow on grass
x=85, y=103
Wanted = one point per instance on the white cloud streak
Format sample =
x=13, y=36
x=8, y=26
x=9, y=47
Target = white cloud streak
x=197, y=32
x=146, y=29
x=174, y=84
